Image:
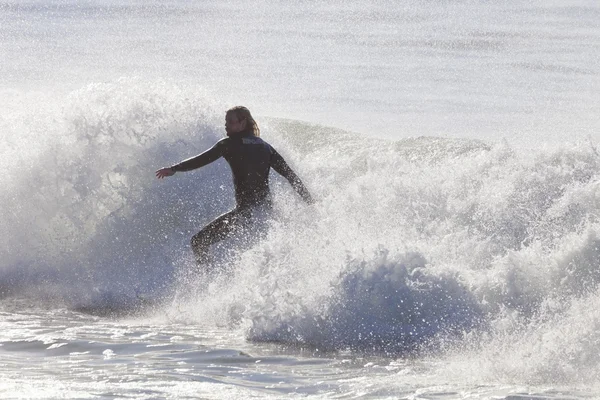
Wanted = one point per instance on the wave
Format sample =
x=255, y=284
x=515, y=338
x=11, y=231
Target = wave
x=412, y=241
x=83, y=215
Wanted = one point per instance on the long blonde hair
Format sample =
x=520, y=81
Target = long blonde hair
x=242, y=113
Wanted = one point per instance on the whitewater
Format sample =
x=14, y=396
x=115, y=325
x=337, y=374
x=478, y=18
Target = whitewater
x=453, y=250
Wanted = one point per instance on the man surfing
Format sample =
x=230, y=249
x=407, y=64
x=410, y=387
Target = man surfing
x=250, y=159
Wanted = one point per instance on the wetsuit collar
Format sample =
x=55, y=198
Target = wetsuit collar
x=244, y=133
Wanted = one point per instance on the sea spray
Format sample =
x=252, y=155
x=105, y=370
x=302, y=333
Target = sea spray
x=386, y=303
x=84, y=206
x=410, y=240
x=489, y=225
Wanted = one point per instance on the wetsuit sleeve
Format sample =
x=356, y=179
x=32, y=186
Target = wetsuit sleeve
x=283, y=169
x=210, y=155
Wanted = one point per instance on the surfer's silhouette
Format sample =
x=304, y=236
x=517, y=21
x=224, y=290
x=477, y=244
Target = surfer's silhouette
x=250, y=159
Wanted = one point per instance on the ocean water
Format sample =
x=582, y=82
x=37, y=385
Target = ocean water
x=452, y=147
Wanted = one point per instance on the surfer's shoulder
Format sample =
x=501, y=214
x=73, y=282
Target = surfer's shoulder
x=222, y=142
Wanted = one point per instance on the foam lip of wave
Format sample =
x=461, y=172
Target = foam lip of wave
x=387, y=304
x=97, y=212
x=470, y=232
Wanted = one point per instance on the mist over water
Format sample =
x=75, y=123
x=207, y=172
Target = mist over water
x=459, y=228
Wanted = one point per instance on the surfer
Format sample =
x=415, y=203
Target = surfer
x=250, y=159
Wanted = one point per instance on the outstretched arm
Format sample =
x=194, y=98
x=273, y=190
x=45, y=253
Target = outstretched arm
x=200, y=160
x=283, y=169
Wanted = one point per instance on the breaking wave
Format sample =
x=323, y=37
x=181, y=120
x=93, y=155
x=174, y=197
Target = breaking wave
x=412, y=241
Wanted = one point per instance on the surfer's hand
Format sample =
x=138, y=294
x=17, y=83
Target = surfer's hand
x=164, y=172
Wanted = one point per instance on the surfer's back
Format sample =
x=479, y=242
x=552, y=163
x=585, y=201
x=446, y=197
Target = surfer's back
x=250, y=160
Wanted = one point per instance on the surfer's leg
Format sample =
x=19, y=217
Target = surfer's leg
x=212, y=233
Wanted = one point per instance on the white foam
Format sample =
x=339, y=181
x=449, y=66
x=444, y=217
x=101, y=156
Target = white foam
x=410, y=241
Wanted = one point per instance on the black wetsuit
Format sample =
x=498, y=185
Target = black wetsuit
x=250, y=159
